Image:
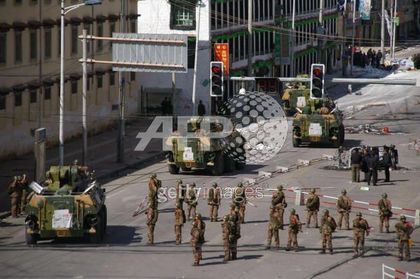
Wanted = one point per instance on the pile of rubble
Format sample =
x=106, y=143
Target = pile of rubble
x=369, y=129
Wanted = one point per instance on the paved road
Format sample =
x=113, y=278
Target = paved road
x=126, y=255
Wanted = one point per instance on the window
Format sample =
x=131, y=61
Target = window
x=18, y=99
x=33, y=42
x=99, y=81
x=33, y=96
x=2, y=102
x=100, y=33
x=3, y=47
x=191, y=52
x=47, y=43
x=74, y=86
x=18, y=46
x=74, y=39
x=133, y=26
x=182, y=14
x=47, y=93
x=112, y=78
x=132, y=76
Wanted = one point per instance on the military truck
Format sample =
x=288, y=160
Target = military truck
x=312, y=126
x=71, y=203
x=295, y=95
x=199, y=153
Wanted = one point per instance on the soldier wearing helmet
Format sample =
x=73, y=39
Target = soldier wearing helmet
x=344, y=209
x=360, y=228
x=225, y=235
x=328, y=226
x=273, y=228
x=234, y=235
x=213, y=201
x=197, y=238
x=312, y=206
x=278, y=201
x=404, y=230
x=192, y=200
x=180, y=193
x=239, y=200
x=385, y=212
x=15, y=194
x=295, y=226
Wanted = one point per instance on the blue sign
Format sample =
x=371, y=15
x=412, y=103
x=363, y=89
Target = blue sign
x=364, y=9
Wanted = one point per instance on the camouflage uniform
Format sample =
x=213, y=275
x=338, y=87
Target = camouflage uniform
x=192, y=201
x=234, y=235
x=225, y=235
x=312, y=206
x=179, y=222
x=294, y=227
x=278, y=200
x=385, y=212
x=344, y=208
x=152, y=217
x=239, y=200
x=404, y=230
x=328, y=226
x=152, y=211
x=273, y=228
x=197, y=238
x=15, y=193
x=360, y=228
x=25, y=191
x=154, y=185
x=214, y=202
x=180, y=193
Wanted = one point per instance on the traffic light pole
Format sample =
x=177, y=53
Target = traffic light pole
x=197, y=40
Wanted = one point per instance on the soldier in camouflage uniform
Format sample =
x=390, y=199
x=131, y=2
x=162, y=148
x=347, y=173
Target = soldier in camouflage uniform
x=180, y=193
x=328, y=226
x=25, y=191
x=152, y=217
x=312, y=206
x=192, y=201
x=278, y=201
x=154, y=185
x=234, y=235
x=344, y=209
x=360, y=228
x=179, y=222
x=295, y=226
x=214, y=202
x=273, y=228
x=197, y=238
x=225, y=235
x=152, y=210
x=385, y=212
x=404, y=230
x=239, y=200
x=15, y=193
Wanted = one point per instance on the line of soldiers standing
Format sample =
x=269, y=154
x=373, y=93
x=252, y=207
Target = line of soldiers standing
x=18, y=191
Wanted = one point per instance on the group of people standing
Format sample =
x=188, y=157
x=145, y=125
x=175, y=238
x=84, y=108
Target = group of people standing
x=369, y=162
x=370, y=58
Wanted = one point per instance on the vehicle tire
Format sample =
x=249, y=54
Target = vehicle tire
x=186, y=169
x=239, y=165
x=229, y=163
x=31, y=239
x=218, y=167
x=173, y=169
x=99, y=235
x=296, y=142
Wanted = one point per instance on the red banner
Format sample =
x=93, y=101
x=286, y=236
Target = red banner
x=221, y=53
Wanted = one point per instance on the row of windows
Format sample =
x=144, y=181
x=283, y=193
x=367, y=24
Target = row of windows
x=235, y=12
x=304, y=6
x=35, y=2
x=303, y=32
x=74, y=89
x=18, y=38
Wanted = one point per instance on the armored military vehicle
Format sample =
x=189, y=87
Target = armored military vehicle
x=200, y=152
x=316, y=124
x=71, y=203
x=295, y=95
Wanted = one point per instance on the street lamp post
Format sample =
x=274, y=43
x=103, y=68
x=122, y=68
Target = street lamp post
x=64, y=11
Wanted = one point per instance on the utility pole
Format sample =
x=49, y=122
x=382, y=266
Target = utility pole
x=383, y=31
x=394, y=29
x=391, y=37
x=321, y=24
x=61, y=118
x=84, y=93
x=40, y=97
x=121, y=125
x=197, y=40
x=292, y=40
x=353, y=33
x=250, y=41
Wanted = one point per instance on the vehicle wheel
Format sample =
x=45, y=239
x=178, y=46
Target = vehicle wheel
x=218, y=167
x=229, y=163
x=239, y=165
x=173, y=169
x=186, y=169
x=99, y=235
x=341, y=134
x=296, y=142
x=31, y=239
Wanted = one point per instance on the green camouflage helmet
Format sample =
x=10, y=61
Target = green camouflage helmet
x=402, y=217
x=193, y=184
x=313, y=190
x=325, y=212
x=293, y=211
x=153, y=175
x=214, y=184
x=384, y=195
x=198, y=216
x=226, y=218
x=179, y=181
x=280, y=187
x=343, y=191
x=359, y=214
x=240, y=184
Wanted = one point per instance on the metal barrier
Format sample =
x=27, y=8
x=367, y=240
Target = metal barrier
x=390, y=272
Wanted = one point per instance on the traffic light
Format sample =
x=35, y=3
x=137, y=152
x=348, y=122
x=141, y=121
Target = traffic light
x=216, y=76
x=317, y=81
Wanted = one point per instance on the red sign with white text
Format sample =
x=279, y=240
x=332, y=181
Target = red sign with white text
x=221, y=53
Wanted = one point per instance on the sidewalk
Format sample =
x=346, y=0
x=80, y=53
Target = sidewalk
x=102, y=155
